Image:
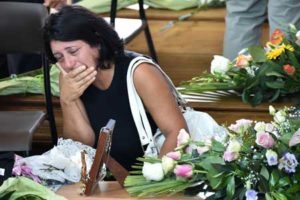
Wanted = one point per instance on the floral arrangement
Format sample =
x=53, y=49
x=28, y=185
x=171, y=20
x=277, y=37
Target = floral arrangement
x=256, y=160
x=259, y=74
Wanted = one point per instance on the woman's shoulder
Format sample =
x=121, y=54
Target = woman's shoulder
x=132, y=54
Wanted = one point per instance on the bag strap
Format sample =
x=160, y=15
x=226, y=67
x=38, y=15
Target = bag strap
x=136, y=105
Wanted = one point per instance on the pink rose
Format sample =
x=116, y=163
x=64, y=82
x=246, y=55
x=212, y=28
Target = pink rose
x=240, y=126
x=295, y=139
x=182, y=138
x=264, y=139
x=230, y=156
x=175, y=155
x=183, y=171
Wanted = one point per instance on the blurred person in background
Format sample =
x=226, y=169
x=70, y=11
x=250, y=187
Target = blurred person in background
x=245, y=19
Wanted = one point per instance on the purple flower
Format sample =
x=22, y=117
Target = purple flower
x=17, y=170
x=288, y=162
x=251, y=195
x=21, y=169
x=272, y=157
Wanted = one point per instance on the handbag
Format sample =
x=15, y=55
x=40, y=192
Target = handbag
x=202, y=126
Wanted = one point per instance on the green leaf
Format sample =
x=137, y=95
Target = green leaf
x=268, y=197
x=215, y=183
x=230, y=189
x=284, y=181
x=218, y=175
x=275, y=96
x=30, y=197
x=258, y=53
x=7, y=195
x=275, y=85
x=279, y=196
x=253, y=96
x=274, y=178
x=217, y=146
x=294, y=189
x=293, y=59
x=274, y=73
x=265, y=173
x=213, y=160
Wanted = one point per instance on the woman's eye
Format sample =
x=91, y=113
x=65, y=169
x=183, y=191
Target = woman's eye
x=58, y=58
x=73, y=52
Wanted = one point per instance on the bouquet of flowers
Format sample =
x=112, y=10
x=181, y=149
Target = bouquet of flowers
x=259, y=74
x=256, y=160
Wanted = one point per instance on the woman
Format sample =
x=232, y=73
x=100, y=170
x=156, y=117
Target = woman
x=93, y=85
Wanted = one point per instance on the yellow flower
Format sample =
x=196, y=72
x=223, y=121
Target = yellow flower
x=274, y=53
x=289, y=47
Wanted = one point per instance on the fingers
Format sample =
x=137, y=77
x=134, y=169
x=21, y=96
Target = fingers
x=90, y=71
x=87, y=83
x=78, y=79
x=77, y=71
x=88, y=78
x=61, y=69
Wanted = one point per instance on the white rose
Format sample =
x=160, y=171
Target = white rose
x=153, y=171
x=219, y=64
x=270, y=128
x=298, y=37
x=234, y=146
x=272, y=110
x=260, y=126
x=279, y=116
x=298, y=34
x=168, y=164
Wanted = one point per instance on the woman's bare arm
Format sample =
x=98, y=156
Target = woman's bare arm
x=76, y=124
x=160, y=102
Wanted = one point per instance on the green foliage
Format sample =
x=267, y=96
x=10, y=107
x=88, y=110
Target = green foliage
x=259, y=74
x=258, y=54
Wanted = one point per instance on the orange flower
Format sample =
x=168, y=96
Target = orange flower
x=289, y=69
x=277, y=37
x=242, y=61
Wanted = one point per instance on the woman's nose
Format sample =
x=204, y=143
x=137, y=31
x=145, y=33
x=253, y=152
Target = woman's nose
x=69, y=62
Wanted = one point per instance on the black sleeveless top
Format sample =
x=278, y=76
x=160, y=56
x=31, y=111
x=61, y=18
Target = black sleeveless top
x=113, y=103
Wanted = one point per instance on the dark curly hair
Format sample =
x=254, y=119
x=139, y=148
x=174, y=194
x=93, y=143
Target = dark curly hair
x=77, y=23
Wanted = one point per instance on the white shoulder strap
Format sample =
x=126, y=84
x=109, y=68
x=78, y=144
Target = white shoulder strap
x=136, y=105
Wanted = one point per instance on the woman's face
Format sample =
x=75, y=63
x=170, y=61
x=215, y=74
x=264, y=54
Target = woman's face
x=75, y=53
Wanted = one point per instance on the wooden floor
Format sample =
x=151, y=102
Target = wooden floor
x=183, y=51
x=187, y=48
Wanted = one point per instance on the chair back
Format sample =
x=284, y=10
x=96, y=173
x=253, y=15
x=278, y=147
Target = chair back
x=144, y=27
x=21, y=27
x=21, y=31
